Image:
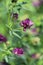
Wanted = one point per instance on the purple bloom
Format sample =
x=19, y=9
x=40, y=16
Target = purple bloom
x=27, y=23
x=2, y=38
x=34, y=31
x=15, y=15
x=36, y=3
x=18, y=51
x=35, y=56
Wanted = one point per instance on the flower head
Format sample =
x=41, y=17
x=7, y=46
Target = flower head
x=35, y=31
x=35, y=41
x=15, y=15
x=36, y=3
x=2, y=38
x=36, y=56
x=18, y=51
x=27, y=23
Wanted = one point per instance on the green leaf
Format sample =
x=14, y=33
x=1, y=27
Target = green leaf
x=16, y=35
x=6, y=58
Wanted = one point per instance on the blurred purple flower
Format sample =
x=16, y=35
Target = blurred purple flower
x=34, y=31
x=35, y=56
x=2, y=38
x=15, y=15
x=36, y=3
x=27, y=23
x=18, y=51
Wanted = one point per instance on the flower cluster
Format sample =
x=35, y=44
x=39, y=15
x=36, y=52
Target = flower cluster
x=18, y=51
x=27, y=23
x=2, y=38
x=36, y=3
x=15, y=15
x=36, y=56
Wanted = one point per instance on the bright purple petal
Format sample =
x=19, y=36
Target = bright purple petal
x=18, y=51
x=27, y=23
x=2, y=38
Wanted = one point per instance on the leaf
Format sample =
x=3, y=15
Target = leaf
x=13, y=32
x=16, y=35
x=2, y=55
x=6, y=59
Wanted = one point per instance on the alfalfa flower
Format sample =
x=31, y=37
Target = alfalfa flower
x=36, y=3
x=18, y=51
x=35, y=31
x=26, y=24
x=2, y=38
x=35, y=56
x=15, y=16
x=35, y=41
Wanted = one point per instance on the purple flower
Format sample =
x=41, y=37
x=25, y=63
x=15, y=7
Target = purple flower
x=33, y=55
x=18, y=51
x=34, y=31
x=27, y=23
x=15, y=15
x=36, y=3
x=36, y=56
x=2, y=38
